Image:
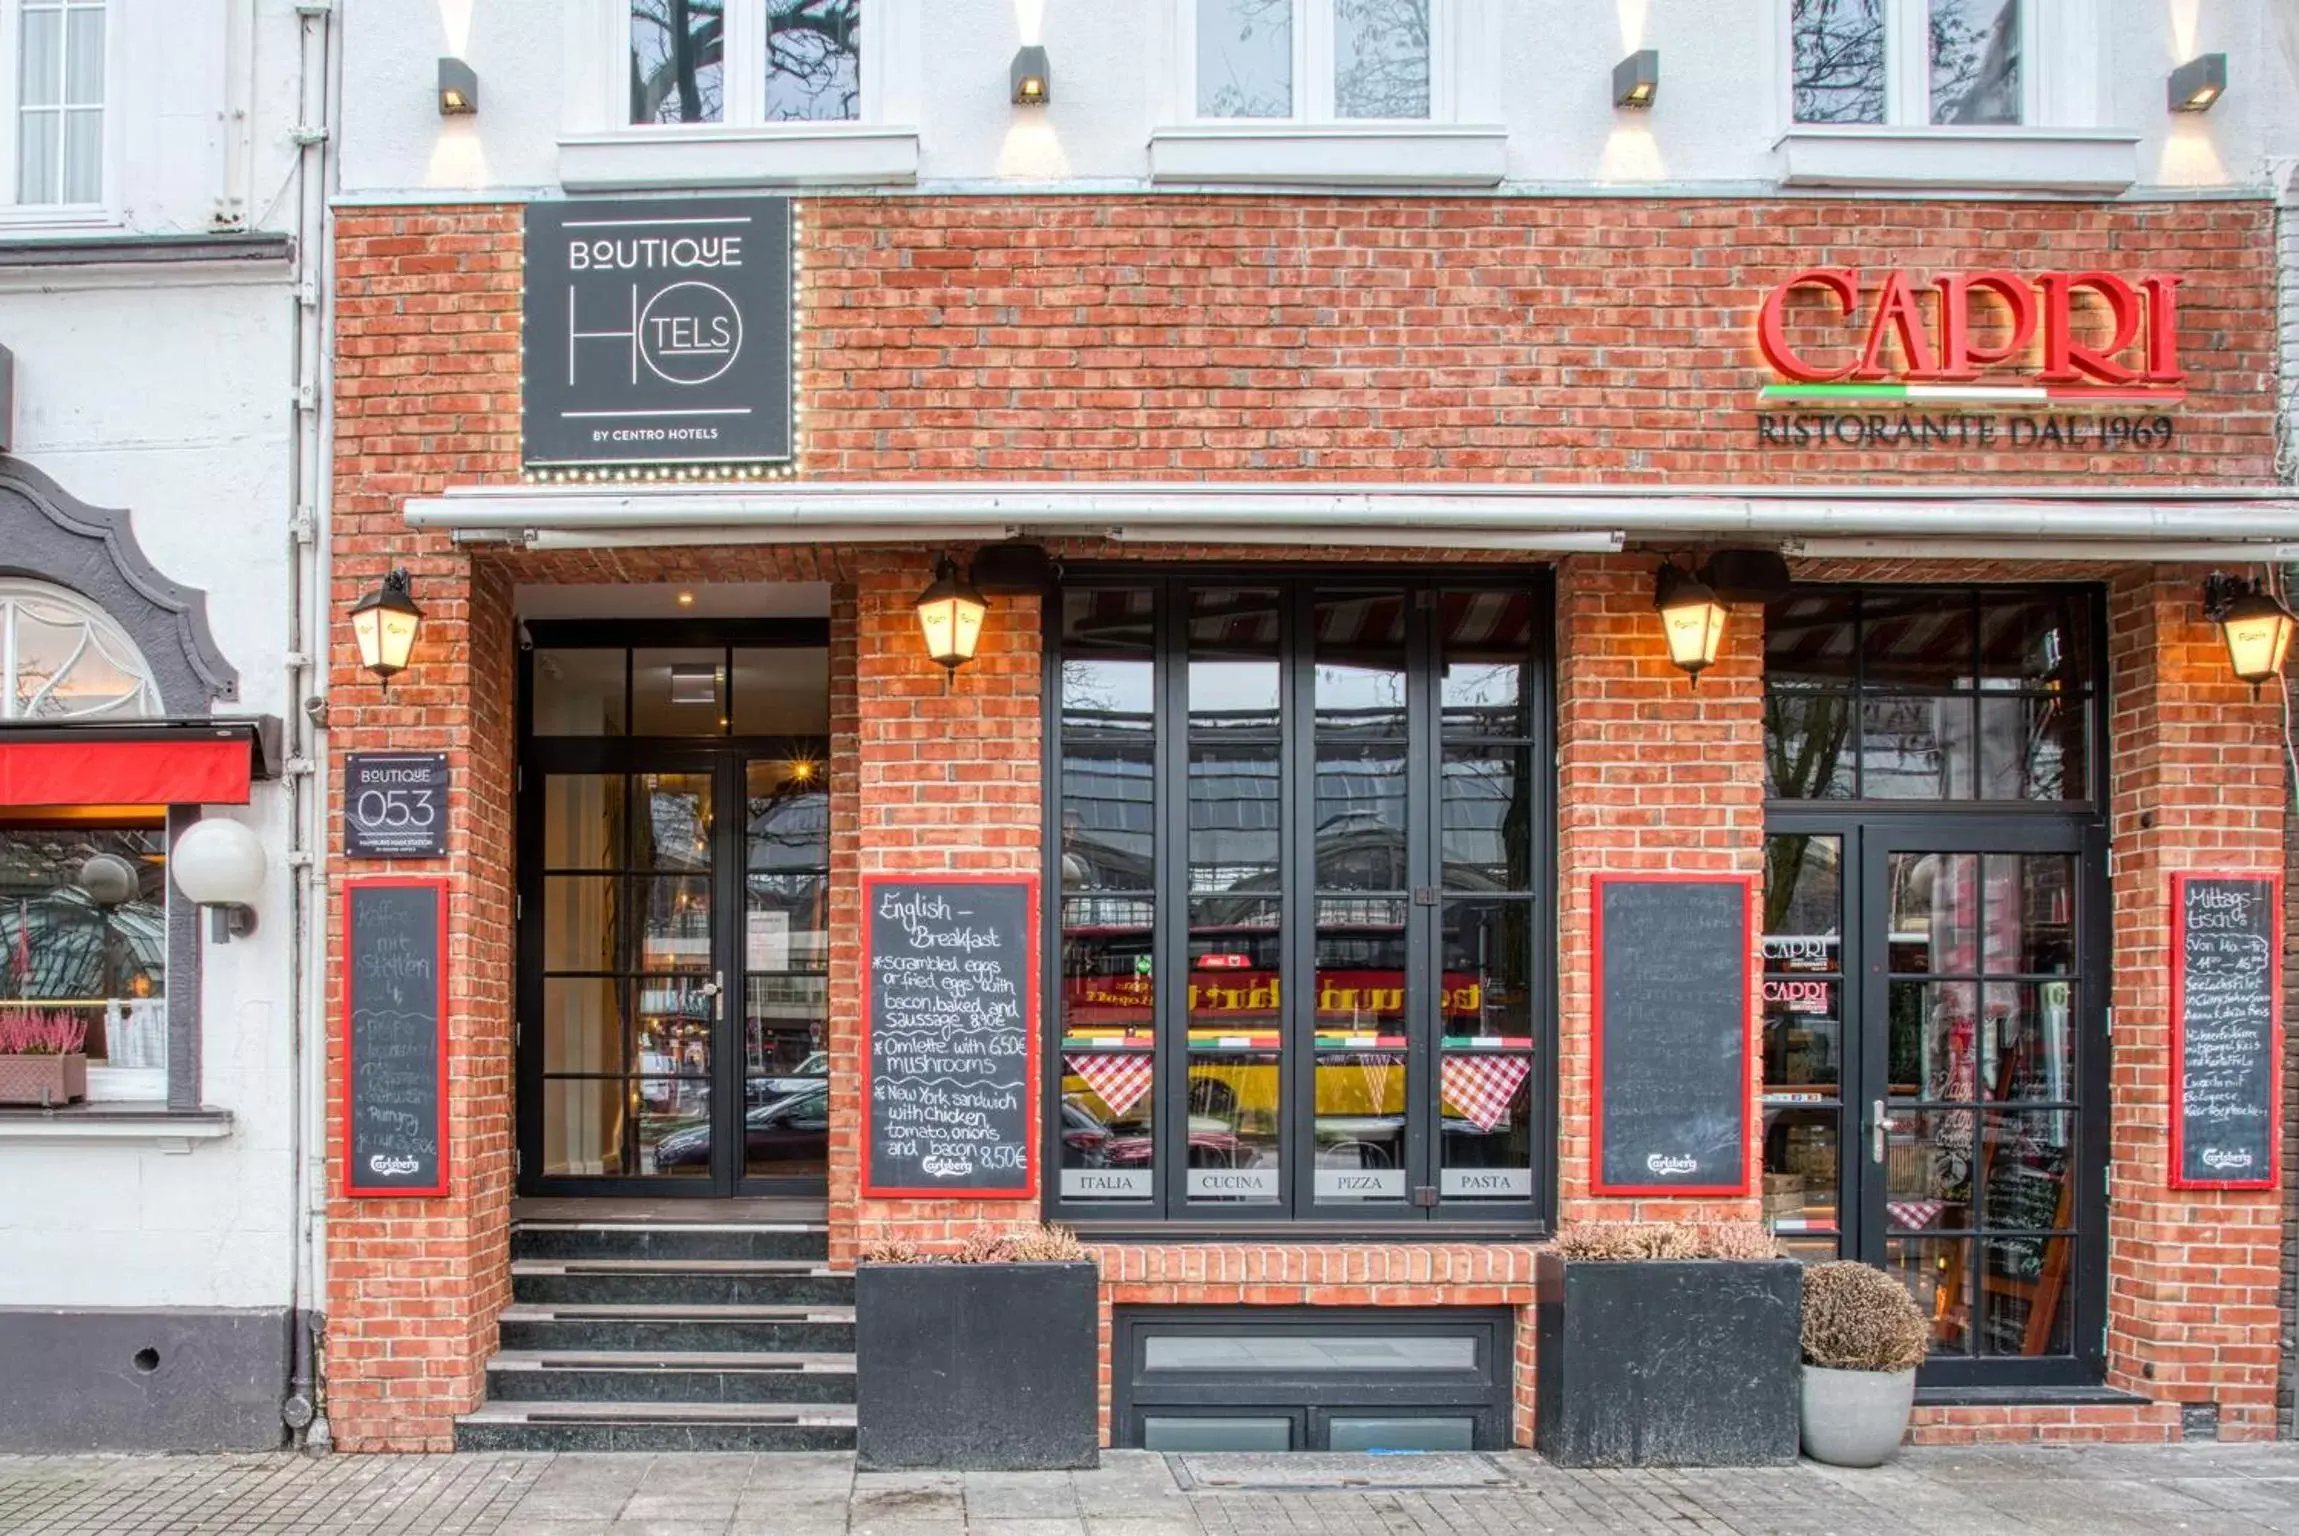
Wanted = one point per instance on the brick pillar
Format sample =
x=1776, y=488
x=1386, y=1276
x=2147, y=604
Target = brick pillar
x=1653, y=775
x=427, y=392
x=2198, y=783
x=946, y=769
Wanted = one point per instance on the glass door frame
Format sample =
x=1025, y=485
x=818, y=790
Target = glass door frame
x=1869, y=835
x=727, y=760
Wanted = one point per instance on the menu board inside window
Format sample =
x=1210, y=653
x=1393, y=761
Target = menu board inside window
x=2227, y=1038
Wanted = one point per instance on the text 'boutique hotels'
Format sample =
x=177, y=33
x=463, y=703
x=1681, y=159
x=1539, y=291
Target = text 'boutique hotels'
x=1316, y=639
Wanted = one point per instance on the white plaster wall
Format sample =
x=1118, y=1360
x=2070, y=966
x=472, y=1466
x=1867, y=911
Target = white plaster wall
x=1722, y=100
x=165, y=389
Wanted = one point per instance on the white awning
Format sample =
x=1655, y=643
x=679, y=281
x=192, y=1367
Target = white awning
x=2020, y=522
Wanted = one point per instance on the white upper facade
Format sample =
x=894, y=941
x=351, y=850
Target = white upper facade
x=1902, y=96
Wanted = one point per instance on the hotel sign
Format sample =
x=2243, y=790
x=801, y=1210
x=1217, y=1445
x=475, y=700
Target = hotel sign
x=1984, y=359
x=657, y=334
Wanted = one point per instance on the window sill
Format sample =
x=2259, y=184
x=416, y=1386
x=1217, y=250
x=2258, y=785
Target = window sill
x=1960, y=159
x=34, y=219
x=171, y=1130
x=2026, y=1397
x=819, y=154
x=1329, y=154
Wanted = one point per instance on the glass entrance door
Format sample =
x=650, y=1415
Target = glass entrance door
x=1934, y=1101
x=674, y=924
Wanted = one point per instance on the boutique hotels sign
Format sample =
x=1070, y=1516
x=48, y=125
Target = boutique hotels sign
x=1985, y=359
x=657, y=337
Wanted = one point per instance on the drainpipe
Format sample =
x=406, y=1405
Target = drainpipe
x=302, y=1409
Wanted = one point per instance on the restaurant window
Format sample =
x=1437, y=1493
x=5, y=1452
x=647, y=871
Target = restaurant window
x=1316, y=60
x=83, y=946
x=1941, y=63
x=746, y=62
x=1303, y=899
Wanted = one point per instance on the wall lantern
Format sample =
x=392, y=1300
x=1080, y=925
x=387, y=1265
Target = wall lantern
x=1033, y=77
x=1636, y=79
x=2256, y=627
x=1691, y=618
x=386, y=622
x=458, y=89
x=2195, y=85
x=950, y=615
x=218, y=864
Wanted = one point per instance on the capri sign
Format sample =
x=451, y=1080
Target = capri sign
x=657, y=335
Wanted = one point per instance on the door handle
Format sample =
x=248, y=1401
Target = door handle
x=715, y=990
x=1878, y=1124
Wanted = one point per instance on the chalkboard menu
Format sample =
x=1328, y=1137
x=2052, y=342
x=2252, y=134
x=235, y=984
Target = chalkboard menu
x=2226, y=995
x=1671, y=1034
x=394, y=1040
x=949, y=1059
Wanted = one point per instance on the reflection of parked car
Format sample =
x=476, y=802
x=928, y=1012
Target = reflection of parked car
x=1085, y=1140
x=803, y=1078
x=1209, y=1147
x=796, y=1128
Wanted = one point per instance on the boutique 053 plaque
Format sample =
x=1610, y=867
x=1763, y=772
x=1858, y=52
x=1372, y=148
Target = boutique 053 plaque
x=395, y=805
x=657, y=332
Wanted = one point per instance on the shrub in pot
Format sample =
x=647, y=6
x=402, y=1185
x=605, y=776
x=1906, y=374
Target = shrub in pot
x=41, y=1060
x=1665, y=1345
x=1864, y=1336
x=984, y=1359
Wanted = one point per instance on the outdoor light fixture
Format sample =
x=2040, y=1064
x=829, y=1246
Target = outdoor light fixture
x=1691, y=618
x=694, y=682
x=1033, y=77
x=386, y=622
x=2198, y=83
x=2255, y=626
x=1636, y=79
x=218, y=864
x=950, y=615
x=458, y=88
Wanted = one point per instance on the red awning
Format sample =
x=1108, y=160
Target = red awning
x=198, y=765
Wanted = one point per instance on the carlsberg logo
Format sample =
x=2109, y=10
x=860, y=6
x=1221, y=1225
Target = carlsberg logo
x=1662, y=1163
x=2215, y=1158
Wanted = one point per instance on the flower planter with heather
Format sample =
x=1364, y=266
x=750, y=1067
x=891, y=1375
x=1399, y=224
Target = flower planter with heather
x=41, y=1061
x=1864, y=1336
x=1665, y=1346
x=986, y=1360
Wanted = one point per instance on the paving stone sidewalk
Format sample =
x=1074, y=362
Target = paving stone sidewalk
x=2096, y=1492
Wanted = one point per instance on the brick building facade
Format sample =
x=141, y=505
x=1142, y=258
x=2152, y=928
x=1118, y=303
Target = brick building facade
x=1585, y=367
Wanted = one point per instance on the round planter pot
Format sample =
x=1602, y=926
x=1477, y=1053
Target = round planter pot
x=1855, y=1418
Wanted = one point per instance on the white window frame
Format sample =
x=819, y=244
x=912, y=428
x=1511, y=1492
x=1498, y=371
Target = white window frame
x=15, y=214
x=1461, y=143
x=1316, y=36
x=601, y=149
x=2057, y=146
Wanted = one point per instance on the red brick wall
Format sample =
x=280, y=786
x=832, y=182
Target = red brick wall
x=1317, y=338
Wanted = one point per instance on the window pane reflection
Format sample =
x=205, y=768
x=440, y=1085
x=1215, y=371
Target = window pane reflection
x=1244, y=58
x=1361, y=816
x=1487, y=991
x=678, y=53
x=1482, y=642
x=1486, y=820
x=1975, y=61
x=1360, y=1130
x=813, y=61
x=1381, y=58
x=1839, y=61
x=1233, y=1128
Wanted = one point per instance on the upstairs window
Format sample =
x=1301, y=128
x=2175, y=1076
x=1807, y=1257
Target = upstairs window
x=60, y=102
x=1316, y=60
x=794, y=61
x=63, y=659
x=1942, y=63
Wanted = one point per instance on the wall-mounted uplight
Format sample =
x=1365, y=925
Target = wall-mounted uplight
x=950, y=615
x=458, y=88
x=1033, y=77
x=386, y=622
x=1691, y=618
x=2255, y=626
x=2198, y=83
x=1636, y=79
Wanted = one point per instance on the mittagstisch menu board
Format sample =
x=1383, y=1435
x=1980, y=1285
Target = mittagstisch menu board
x=949, y=976
x=2226, y=1031
x=394, y=1037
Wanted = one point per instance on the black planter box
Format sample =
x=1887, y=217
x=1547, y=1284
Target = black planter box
x=1667, y=1363
x=991, y=1367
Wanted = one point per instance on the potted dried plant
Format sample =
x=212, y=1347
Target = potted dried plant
x=1665, y=1345
x=1864, y=1336
x=984, y=1359
x=41, y=1061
